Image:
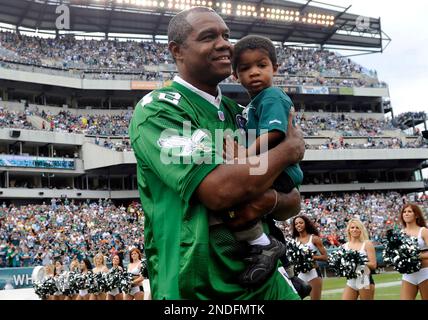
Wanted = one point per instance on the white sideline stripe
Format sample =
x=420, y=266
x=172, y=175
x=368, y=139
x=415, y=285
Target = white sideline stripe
x=380, y=285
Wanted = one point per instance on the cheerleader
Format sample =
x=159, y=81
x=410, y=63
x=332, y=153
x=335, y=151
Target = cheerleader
x=85, y=267
x=115, y=294
x=49, y=273
x=305, y=232
x=358, y=240
x=415, y=226
x=134, y=267
x=100, y=267
x=74, y=268
x=59, y=275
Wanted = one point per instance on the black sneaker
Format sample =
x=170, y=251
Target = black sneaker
x=262, y=261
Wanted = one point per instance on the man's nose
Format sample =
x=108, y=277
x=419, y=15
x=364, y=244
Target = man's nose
x=223, y=44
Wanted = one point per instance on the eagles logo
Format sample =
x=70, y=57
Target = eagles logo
x=188, y=145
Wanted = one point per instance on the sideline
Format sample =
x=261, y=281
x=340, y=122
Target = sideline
x=380, y=285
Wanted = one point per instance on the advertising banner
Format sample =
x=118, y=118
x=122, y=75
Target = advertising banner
x=291, y=90
x=36, y=162
x=16, y=277
x=145, y=85
x=314, y=90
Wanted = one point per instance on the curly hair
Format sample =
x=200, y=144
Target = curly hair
x=253, y=42
x=310, y=227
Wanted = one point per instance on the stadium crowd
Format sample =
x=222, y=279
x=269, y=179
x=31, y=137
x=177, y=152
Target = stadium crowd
x=38, y=234
x=298, y=66
x=94, y=125
x=14, y=119
x=109, y=126
x=342, y=124
x=379, y=143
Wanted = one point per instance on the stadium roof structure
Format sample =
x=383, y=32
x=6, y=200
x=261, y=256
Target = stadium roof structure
x=307, y=23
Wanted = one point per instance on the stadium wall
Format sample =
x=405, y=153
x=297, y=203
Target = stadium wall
x=95, y=156
x=365, y=154
x=357, y=187
x=43, y=137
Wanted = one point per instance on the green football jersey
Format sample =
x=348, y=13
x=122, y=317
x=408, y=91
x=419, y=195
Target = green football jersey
x=187, y=258
x=269, y=111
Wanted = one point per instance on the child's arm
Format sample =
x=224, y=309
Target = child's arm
x=268, y=141
x=233, y=150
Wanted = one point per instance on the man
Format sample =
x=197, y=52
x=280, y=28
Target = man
x=192, y=255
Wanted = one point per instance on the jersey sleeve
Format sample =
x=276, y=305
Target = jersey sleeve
x=273, y=114
x=170, y=145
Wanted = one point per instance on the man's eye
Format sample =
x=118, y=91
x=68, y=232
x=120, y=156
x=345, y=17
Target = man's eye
x=226, y=36
x=208, y=37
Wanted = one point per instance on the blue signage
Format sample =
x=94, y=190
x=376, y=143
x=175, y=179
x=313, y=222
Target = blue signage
x=17, y=278
x=36, y=162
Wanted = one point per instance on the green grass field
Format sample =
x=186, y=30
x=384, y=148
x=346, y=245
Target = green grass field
x=385, y=293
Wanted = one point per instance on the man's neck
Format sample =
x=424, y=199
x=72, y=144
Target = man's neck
x=212, y=90
x=214, y=99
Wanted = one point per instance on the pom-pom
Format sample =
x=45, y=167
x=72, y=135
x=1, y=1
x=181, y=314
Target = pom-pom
x=346, y=263
x=402, y=252
x=46, y=288
x=299, y=255
x=126, y=282
x=113, y=278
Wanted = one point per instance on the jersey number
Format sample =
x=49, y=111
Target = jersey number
x=171, y=97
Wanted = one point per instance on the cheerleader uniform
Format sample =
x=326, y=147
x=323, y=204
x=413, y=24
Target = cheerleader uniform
x=136, y=272
x=420, y=276
x=114, y=292
x=58, y=284
x=314, y=272
x=360, y=282
x=83, y=292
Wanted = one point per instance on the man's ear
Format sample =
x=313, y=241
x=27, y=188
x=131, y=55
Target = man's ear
x=175, y=50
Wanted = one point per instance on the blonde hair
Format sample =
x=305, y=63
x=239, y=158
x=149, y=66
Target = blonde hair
x=49, y=269
x=99, y=255
x=364, y=233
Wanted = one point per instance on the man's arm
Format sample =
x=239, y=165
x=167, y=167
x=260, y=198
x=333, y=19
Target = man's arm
x=230, y=184
x=286, y=206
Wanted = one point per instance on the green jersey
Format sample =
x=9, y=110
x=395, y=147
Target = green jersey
x=187, y=258
x=269, y=111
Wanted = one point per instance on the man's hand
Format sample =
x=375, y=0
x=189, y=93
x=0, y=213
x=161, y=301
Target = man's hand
x=256, y=209
x=232, y=150
x=294, y=140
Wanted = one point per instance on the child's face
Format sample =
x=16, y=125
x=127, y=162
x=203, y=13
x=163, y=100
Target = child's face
x=255, y=70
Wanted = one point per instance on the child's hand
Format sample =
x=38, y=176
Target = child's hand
x=232, y=150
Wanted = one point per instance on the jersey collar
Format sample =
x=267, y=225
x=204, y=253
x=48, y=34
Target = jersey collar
x=215, y=101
